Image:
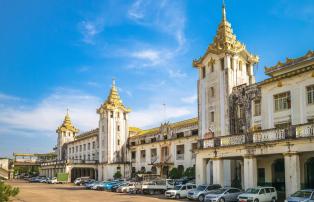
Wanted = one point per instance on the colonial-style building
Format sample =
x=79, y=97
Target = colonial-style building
x=254, y=133
x=114, y=146
x=246, y=133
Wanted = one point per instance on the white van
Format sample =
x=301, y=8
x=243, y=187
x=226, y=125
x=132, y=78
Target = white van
x=179, y=191
x=259, y=194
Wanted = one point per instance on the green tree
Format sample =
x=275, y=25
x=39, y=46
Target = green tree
x=7, y=191
x=190, y=172
x=174, y=173
x=117, y=175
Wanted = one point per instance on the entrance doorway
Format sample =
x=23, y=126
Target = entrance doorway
x=309, y=177
x=278, y=174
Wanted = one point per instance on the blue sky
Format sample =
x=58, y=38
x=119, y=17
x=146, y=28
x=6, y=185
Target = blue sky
x=59, y=54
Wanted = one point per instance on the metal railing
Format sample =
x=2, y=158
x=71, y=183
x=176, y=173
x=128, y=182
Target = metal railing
x=263, y=136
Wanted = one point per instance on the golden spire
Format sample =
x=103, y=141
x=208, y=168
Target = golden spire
x=224, y=18
x=67, y=124
x=225, y=42
x=113, y=101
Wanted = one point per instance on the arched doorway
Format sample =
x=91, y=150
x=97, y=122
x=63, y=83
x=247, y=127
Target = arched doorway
x=278, y=174
x=309, y=177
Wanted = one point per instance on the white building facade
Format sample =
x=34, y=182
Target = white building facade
x=254, y=133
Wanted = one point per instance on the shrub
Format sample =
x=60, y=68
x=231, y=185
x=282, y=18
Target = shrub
x=190, y=172
x=117, y=175
x=7, y=191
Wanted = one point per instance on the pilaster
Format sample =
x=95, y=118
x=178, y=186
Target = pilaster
x=292, y=172
x=250, y=171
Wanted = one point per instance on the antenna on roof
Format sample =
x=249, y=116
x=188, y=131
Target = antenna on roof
x=165, y=112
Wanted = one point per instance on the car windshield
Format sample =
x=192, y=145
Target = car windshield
x=252, y=191
x=303, y=194
x=201, y=188
x=218, y=191
x=178, y=187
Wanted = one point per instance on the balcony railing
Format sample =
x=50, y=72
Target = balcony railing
x=277, y=134
x=305, y=130
x=153, y=159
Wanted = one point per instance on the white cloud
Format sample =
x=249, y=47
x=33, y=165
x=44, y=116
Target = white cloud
x=176, y=73
x=190, y=99
x=48, y=114
x=155, y=114
x=166, y=16
x=89, y=30
x=5, y=97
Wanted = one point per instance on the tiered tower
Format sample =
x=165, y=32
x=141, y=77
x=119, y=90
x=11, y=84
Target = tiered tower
x=66, y=133
x=225, y=64
x=113, y=128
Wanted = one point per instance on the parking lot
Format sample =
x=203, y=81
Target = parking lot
x=39, y=192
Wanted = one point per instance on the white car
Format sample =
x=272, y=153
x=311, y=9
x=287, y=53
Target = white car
x=179, y=191
x=259, y=194
x=53, y=181
x=126, y=189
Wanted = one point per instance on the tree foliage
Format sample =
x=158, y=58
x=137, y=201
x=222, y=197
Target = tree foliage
x=117, y=175
x=190, y=172
x=7, y=191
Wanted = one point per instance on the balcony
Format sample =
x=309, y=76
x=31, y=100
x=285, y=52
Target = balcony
x=263, y=136
x=153, y=159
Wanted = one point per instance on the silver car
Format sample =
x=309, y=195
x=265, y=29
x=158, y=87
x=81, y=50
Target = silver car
x=302, y=195
x=223, y=195
x=200, y=192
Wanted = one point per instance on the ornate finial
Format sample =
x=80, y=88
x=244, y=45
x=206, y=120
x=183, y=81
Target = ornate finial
x=113, y=82
x=223, y=11
x=68, y=111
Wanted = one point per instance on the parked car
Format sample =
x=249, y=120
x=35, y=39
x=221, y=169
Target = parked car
x=157, y=186
x=259, y=194
x=53, y=180
x=80, y=180
x=89, y=184
x=116, y=186
x=126, y=189
x=179, y=191
x=200, y=192
x=108, y=186
x=223, y=195
x=35, y=179
x=98, y=185
x=302, y=195
x=44, y=179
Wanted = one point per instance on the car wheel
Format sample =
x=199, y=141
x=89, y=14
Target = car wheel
x=201, y=198
x=221, y=200
x=273, y=199
x=256, y=200
x=177, y=196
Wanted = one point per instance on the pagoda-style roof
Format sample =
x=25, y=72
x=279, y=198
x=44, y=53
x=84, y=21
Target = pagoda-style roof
x=226, y=42
x=67, y=125
x=113, y=101
x=289, y=63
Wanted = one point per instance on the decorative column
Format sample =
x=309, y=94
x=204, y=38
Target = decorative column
x=218, y=171
x=250, y=171
x=292, y=172
x=200, y=170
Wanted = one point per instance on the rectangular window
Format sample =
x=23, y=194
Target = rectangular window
x=80, y=147
x=282, y=101
x=180, y=152
x=203, y=70
x=142, y=141
x=118, y=128
x=257, y=107
x=310, y=94
x=212, y=92
x=133, y=155
x=84, y=147
x=231, y=63
x=241, y=114
x=132, y=143
x=212, y=67
x=179, y=135
x=212, y=117
x=94, y=143
x=153, y=139
x=195, y=132
x=240, y=65
x=222, y=63
x=111, y=114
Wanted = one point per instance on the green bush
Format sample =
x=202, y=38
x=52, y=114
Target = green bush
x=7, y=191
x=190, y=172
x=117, y=175
x=174, y=173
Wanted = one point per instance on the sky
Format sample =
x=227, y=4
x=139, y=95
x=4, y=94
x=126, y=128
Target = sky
x=59, y=54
